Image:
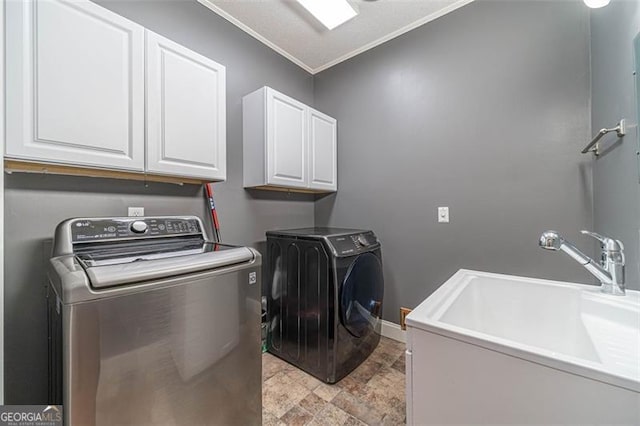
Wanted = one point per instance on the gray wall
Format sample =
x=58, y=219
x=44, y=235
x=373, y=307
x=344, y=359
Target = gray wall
x=35, y=204
x=485, y=111
x=616, y=190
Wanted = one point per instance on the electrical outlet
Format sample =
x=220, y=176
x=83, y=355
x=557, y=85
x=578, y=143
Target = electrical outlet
x=403, y=316
x=136, y=211
x=443, y=214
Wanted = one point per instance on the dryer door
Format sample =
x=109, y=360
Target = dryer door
x=361, y=295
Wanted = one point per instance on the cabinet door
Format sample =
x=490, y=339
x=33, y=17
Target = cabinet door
x=75, y=84
x=286, y=141
x=322, y=151
x=186, y=111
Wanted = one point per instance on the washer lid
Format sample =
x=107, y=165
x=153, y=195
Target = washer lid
x=121, y=269
x=112, y=253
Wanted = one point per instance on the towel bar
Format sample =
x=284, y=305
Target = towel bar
x=620, y=130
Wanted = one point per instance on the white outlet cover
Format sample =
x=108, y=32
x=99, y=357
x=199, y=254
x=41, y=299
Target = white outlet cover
x=443, y=214
x=135, y=211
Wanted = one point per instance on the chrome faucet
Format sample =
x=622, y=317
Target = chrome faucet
x=610, y=271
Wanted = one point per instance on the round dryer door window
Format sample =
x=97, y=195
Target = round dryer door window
x=361, y=295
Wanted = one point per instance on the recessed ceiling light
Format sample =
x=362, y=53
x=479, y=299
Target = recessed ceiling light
x=330, y=13
x=594, y=4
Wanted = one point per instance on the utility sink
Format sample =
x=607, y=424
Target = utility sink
x=565, y=326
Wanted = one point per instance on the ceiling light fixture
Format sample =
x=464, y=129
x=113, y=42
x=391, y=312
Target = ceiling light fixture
x=330, y=13
x=595, y=4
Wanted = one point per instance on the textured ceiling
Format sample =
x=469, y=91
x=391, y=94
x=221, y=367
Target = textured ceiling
x=285, y=26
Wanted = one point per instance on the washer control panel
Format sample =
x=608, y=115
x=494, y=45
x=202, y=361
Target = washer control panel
x=85, y=230
x=347, y=245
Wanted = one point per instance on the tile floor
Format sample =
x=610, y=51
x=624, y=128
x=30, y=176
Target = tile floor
x=373, y=394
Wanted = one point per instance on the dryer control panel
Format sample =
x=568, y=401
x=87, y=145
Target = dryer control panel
x=349, y=245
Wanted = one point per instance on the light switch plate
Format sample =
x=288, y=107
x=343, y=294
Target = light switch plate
x=443, y=214
x=136, y=211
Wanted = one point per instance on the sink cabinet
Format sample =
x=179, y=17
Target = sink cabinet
x=287, y=144
x=499, y=349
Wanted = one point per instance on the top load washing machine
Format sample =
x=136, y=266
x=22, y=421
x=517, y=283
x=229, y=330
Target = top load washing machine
x=324, y=298
x=152, y=323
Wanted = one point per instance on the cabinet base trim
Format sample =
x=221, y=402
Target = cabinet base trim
x=285, y=189
x=19, y=166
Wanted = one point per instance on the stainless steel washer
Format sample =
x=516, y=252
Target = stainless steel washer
x=151, y=323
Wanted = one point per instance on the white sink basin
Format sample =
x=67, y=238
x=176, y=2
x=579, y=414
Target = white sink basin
x=570, y=327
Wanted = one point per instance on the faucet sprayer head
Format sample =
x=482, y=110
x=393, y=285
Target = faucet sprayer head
x=551, y=240
x=610, y=269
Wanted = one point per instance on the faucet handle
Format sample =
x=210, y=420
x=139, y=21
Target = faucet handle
x=607, y=243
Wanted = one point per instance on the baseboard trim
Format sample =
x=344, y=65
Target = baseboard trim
x=393, y=331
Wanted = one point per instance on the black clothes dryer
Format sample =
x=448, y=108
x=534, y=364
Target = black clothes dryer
x=324, y=298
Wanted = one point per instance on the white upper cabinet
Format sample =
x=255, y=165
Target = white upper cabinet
x=287, y=144
x=186, y=111
x=286, y=150
x=75, y=84
x=80, y=81
x=323, y=138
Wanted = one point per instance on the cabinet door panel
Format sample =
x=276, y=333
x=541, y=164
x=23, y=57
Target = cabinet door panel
x=286, y=141
x=322, y=151
x=186, y=111
x=75, y=84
